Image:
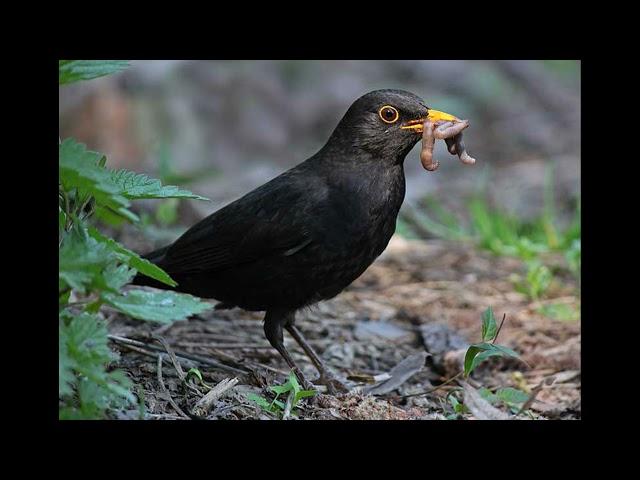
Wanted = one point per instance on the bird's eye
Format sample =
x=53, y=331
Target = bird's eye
x=388, y=114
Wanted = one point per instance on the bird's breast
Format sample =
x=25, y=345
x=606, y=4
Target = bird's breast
x=364, y=207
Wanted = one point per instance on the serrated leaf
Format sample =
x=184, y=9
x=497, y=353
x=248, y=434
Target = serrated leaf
x=86, y=264
x=66, y=378
x=115, y=277
x=83, y=357
x=162, y=307
x=74, y=70
x=489, y=326
x=79, y=169
x=81, y=261
x=138, y=186
x=133, y=259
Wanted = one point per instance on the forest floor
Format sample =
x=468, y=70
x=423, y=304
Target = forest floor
x=406, y=322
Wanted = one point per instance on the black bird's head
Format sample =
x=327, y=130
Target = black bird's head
x=385, y=123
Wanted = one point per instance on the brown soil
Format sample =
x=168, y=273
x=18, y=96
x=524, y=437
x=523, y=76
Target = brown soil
x=419, y=296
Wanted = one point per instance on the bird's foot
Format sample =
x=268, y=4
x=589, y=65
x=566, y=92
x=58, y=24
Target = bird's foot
x=306, y=384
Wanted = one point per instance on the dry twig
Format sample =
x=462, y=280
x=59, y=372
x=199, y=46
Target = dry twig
x=166, y=392
x=204, y=404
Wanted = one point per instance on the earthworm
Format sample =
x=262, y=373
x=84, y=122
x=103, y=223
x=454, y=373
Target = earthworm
x=428, y=141
x=451, y=132
x=462, y=151
x=450, y=129
x=451, y=145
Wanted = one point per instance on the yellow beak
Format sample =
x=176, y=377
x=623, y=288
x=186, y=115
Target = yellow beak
x=434, y=116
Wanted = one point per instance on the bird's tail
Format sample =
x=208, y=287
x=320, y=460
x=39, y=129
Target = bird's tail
x=156, y=258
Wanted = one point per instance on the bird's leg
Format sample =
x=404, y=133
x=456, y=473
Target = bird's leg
x=273, y=322
x=326, y=378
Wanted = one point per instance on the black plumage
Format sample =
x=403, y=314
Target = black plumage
x=310, y=232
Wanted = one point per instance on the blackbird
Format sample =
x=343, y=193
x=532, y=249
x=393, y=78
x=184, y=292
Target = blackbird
x=310, y=232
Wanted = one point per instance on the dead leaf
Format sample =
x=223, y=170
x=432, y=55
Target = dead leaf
x=399, y=374
x=479, y=407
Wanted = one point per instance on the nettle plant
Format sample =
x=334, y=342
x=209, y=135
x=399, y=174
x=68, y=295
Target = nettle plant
x=94, y=268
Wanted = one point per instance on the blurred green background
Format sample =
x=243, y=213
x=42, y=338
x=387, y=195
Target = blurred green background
x=222, y=128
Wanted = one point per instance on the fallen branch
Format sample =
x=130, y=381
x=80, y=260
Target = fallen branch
x=204, y=404
x=185, y=355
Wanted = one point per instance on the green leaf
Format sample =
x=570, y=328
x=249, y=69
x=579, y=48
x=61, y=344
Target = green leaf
x=162, y=307
x=137, y=186
x=115, y=277
x=478, y=352
x=83, y=357
x=82, y=261
x=488, y=395
x=261, y=401
x=194, y=372
x=539, y=278
x=80, y=169
x=167, y=211
x=74, y=70
x=573, y=256
x=271, y=407
x=280, y=389
x=63, y=298
x=293, y=380
x=457, y=406
x=66, y=378
x=489, y=326
x=133, y=259
x=86, y=264
x=560, y=311
x=302, y=394
x=512, y=396
x=62, y=220
x=108, y=217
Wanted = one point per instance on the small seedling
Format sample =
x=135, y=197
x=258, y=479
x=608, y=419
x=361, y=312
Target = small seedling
x=478, y=352
x=292, y=387
x=458, y=407
x=537, y=282
x=194, y=373
x=508, y=396
x=560, y=311
x=504, y=234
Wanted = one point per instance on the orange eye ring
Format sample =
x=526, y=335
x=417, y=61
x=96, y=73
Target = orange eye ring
x=388, y=114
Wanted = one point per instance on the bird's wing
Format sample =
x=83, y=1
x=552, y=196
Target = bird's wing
x=269, y=221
